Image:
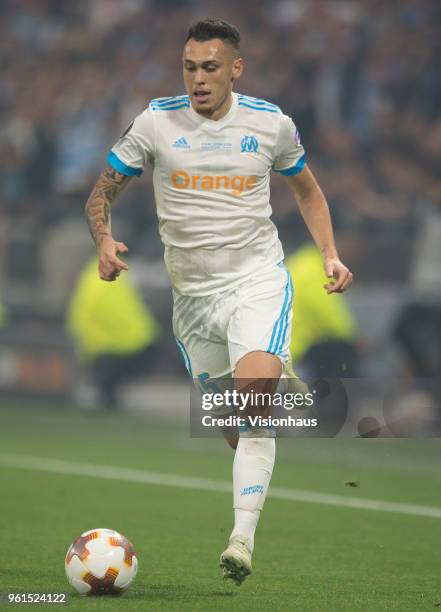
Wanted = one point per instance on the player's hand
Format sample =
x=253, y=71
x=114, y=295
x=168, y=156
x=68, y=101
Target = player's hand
x=342, y=276
x=110, y=265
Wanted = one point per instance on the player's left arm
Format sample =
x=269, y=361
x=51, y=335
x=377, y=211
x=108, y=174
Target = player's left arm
x=315, y=212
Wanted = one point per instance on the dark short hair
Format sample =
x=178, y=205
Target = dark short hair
x=210, y=28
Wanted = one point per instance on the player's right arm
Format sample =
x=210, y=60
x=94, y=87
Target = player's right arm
x=109, y=184
x=127, y=158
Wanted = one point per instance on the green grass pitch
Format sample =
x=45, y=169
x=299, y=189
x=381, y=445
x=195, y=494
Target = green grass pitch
x=308, y=556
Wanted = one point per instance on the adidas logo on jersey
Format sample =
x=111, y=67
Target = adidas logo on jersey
x=181, y=143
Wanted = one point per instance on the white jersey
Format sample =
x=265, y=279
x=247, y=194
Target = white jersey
x=211, y=182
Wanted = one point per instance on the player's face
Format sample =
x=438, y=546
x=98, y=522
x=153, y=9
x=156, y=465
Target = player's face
x=210, y=69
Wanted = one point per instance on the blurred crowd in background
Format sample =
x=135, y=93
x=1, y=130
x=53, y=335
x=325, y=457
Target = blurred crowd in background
x=360, y=78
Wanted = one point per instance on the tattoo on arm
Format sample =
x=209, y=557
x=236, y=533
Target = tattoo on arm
x=108, y=186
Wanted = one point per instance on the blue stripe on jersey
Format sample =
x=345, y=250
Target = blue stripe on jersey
x=121, y=167
x=185, y=356
x=298, y=167
x=259, y=108
x=172, y=107
x=162, y=100
x=281, y=325
x=167, y=101
x=257, y=101
x=253, y=99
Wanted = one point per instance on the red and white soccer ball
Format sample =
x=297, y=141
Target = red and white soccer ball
x=101, y=562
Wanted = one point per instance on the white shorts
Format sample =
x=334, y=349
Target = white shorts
x=213, y=332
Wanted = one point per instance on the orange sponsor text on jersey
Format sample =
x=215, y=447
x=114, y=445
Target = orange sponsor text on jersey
x=213, y=182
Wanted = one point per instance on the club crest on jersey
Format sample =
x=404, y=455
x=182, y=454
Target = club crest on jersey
x=249, y=144
x=181, y=143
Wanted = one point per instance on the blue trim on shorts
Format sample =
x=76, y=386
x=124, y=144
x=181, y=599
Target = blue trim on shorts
x=185, y=357
x=284, y=326
x=280, y=328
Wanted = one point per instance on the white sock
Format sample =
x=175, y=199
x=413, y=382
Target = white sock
x=252, y=470
x=245, y=523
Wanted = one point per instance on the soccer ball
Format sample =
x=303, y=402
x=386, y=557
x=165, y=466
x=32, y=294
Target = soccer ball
x=101, y=562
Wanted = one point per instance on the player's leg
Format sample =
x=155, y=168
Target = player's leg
x=199, y=326
x=259, y=339
x=256, y=372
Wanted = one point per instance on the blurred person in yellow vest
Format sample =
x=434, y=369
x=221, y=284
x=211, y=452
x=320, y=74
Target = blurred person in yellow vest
x=324, y=332
x=113, y=329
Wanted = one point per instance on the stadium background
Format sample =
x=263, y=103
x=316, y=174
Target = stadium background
x=365, y=93
x=361, y=79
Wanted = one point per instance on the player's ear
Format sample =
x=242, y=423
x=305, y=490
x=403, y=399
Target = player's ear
x=237, y=68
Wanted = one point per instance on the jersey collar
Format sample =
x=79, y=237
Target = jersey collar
x=209, y=123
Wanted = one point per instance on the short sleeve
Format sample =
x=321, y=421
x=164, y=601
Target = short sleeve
x=289, y=154
x=136, y=146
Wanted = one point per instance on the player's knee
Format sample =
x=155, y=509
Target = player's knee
x=258, y=365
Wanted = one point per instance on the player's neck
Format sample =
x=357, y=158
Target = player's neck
x=221, y=111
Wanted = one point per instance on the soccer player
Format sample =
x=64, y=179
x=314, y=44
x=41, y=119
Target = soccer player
x=212, y=152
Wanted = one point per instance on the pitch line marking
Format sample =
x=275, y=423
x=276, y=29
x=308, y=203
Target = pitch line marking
x=58, y=466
